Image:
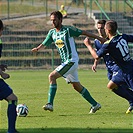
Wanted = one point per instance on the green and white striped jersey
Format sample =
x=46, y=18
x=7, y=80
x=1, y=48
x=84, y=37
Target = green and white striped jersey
x=64, y=42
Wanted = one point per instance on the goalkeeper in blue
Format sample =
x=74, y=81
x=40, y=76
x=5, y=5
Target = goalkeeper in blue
x=7, y=93
x=116, y=50
x=62, y=36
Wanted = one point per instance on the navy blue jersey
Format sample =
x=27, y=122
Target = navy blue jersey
x=109, y=62
x=114, y=72
x=118, y=49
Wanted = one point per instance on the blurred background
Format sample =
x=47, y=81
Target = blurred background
x=26, y=24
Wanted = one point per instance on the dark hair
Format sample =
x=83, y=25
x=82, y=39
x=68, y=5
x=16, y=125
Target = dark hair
x=57, y=14
x=112, y=26
x=102, y=21
x=1, y=25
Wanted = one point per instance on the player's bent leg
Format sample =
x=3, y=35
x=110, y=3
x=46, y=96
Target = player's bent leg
x=124, y=92
x=12, y=97
x=51, y=95
x=53, y=76
x=111, y=85
x=52, y=90
x=86, y=95
x=11, y=113
x=77, y=86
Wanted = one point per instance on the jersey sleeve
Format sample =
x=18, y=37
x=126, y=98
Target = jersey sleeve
x=97, y=44
x=129, y=38
x=74, y=32
x=48, y=40
x=103, y=50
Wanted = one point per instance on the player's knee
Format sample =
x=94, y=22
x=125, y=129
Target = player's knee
x=54, y=75
x=51, y=76
x=73, y=85
x=12, y=97
x=109, y=87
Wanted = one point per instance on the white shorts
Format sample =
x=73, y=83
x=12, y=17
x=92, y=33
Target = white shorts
x=68, y=71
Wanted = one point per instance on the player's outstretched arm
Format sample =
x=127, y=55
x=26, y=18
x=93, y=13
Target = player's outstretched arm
x=88, y=44
x=38, y=48
x=88, y=34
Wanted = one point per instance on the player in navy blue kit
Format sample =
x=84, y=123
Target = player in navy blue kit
x=116, y=83
x=117, y=47
x=7, y=93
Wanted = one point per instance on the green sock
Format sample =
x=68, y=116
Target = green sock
x=85, y=93
x=52, y=92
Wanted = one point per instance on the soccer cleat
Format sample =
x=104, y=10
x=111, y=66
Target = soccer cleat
x=129, y=109
x=95, y=108
x=48, y=106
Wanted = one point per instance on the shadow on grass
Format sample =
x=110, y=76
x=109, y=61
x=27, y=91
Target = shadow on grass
x=72, y=130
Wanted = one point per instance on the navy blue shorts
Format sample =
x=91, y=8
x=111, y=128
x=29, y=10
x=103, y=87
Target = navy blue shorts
x=5, y=90
x=118, y=78
x=129, y=79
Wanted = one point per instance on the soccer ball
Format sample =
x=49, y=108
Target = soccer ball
x=22, y=110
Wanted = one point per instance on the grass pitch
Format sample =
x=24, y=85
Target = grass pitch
x=71, y=111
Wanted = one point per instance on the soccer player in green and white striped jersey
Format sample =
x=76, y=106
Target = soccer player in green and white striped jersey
x=63, y=37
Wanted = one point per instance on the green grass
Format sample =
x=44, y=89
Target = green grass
x=38, y=6
x=71, y=111
x=18, y=9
